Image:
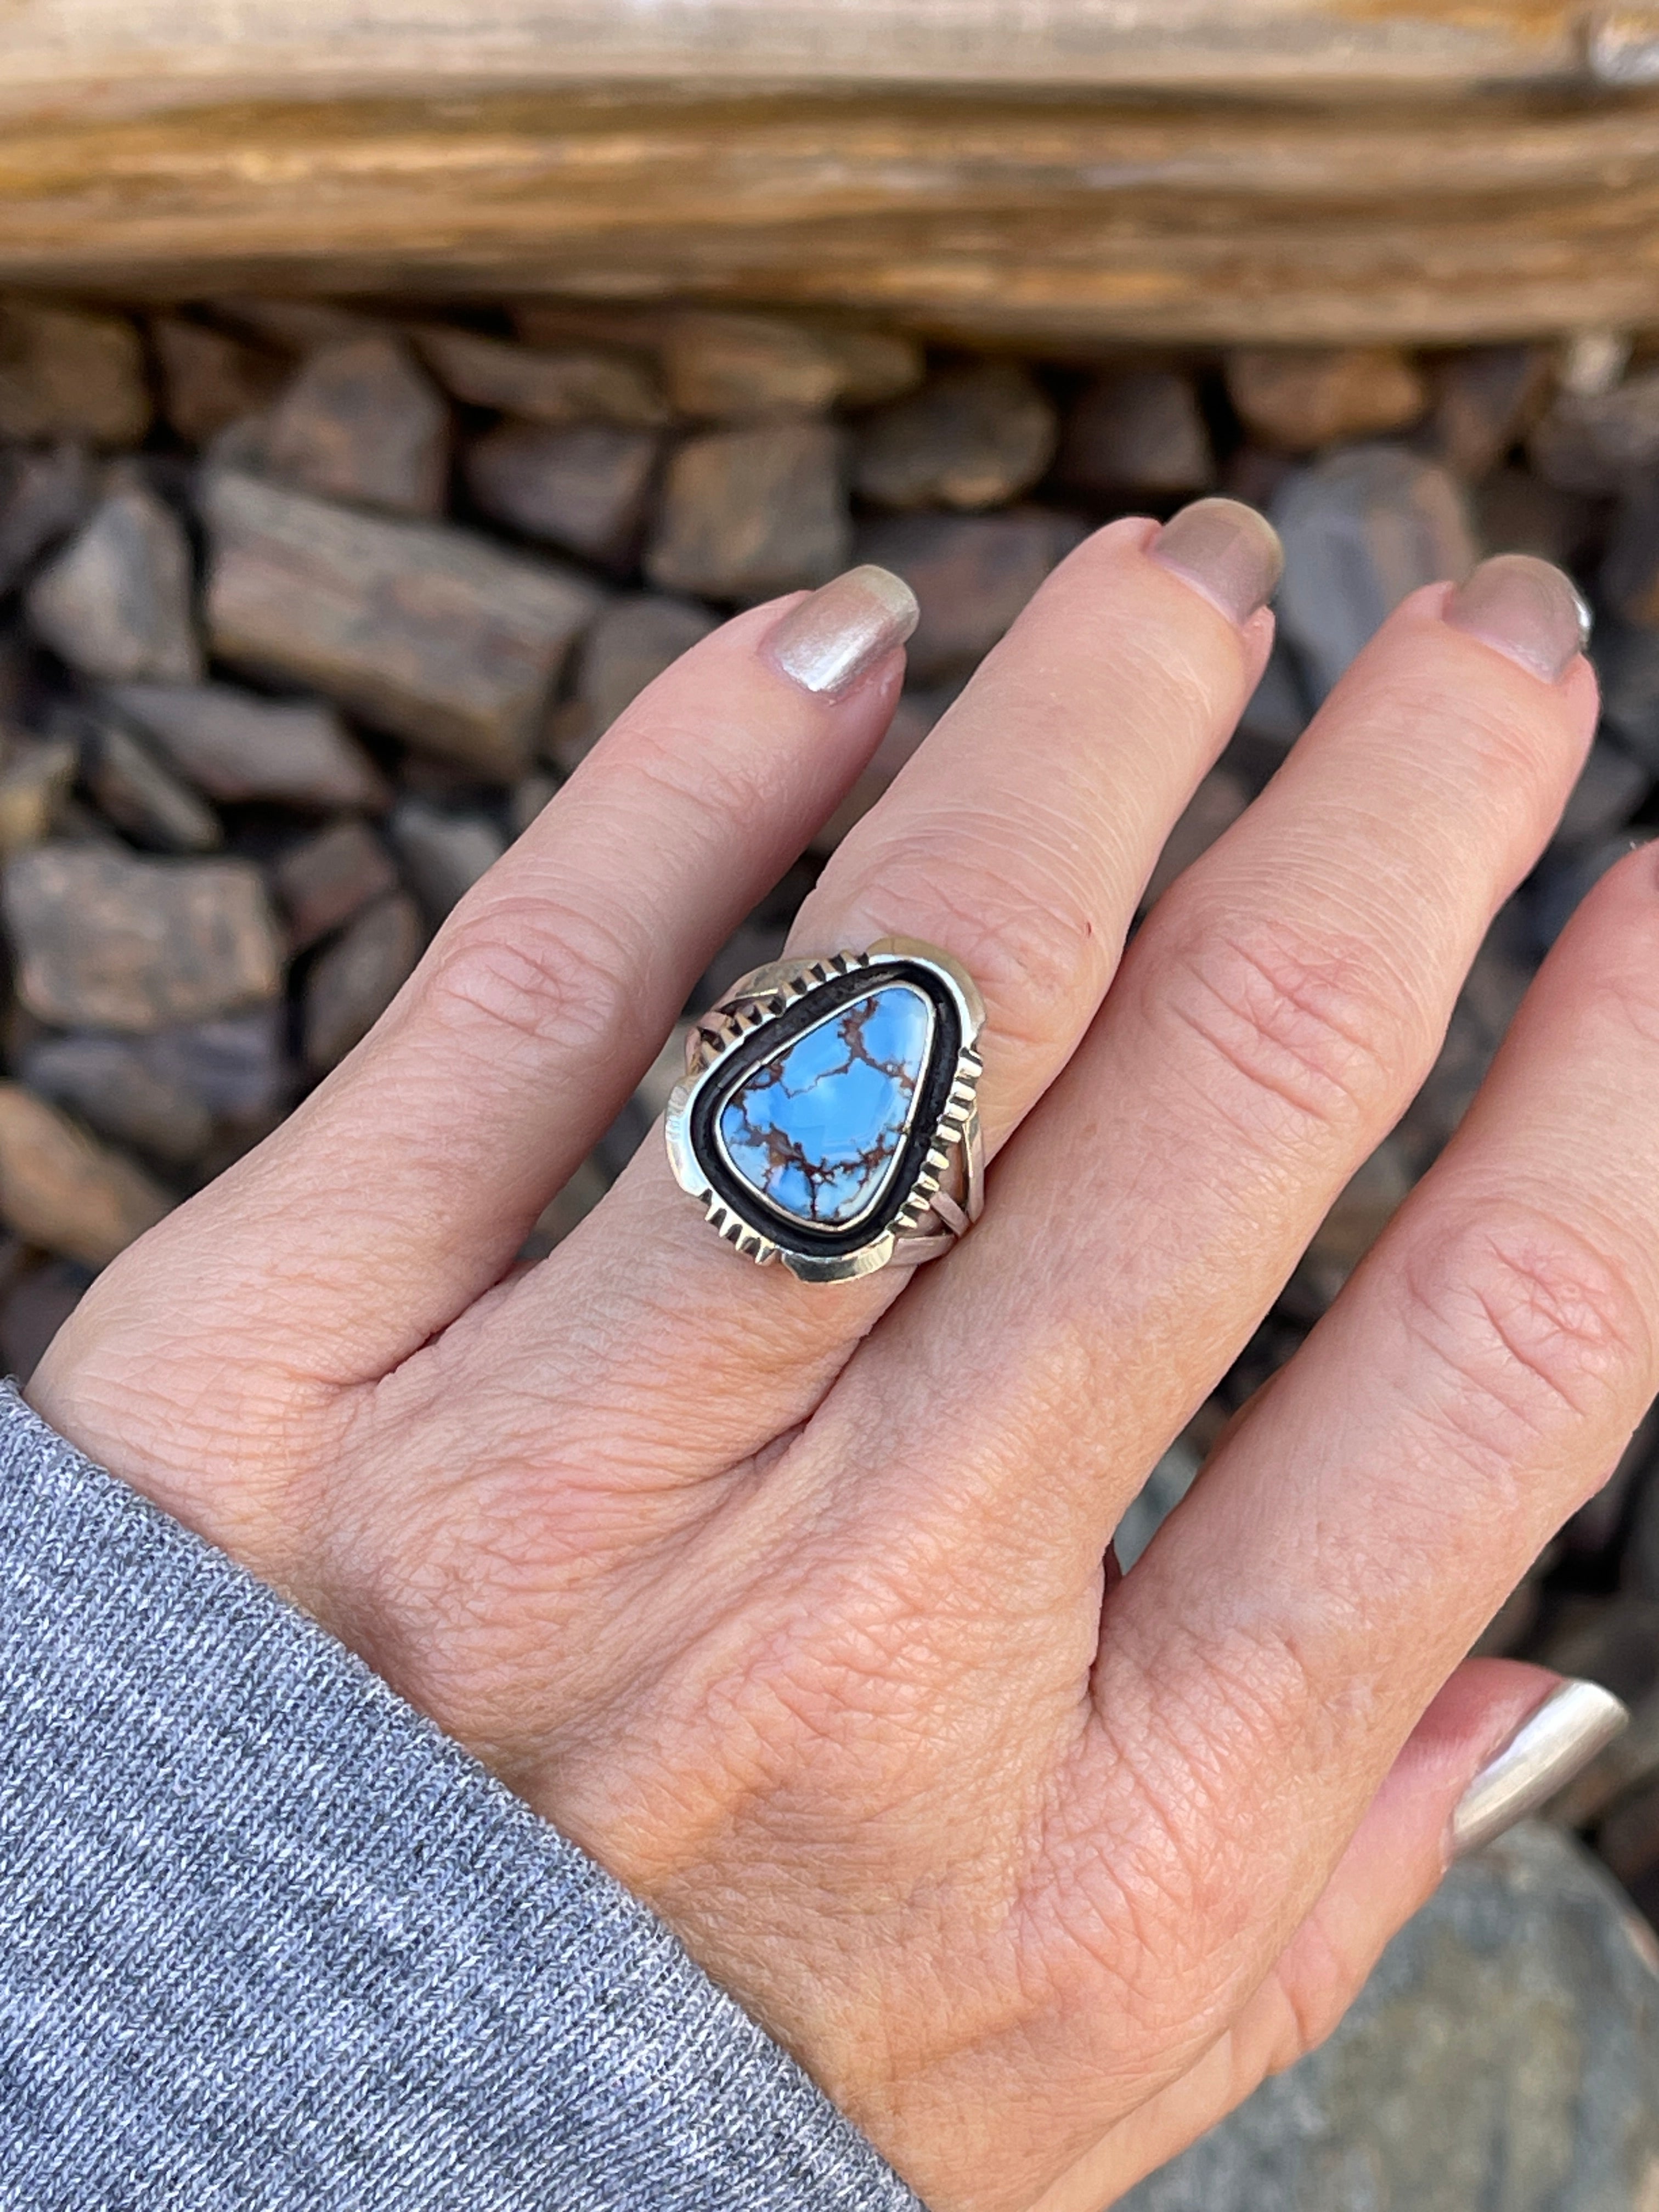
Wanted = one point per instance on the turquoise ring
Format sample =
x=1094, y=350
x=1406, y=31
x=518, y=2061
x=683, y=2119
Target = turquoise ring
x=828, y=1120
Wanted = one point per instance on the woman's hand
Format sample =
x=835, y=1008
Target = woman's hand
x=792, y=1604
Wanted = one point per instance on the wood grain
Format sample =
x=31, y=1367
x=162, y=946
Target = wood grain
x=859, y=158
x=131, y=56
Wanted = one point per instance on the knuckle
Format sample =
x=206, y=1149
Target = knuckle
x=557, y=978
x=1289, y=1033
x=1532, y=1328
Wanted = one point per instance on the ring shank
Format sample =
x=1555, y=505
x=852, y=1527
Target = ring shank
x=920, y=1245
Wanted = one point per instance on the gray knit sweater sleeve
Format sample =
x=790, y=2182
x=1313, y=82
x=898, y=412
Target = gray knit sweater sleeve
x=269, y=1940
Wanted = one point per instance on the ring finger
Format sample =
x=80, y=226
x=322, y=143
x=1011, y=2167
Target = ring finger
x=1019, y=839
x=1271, y=1021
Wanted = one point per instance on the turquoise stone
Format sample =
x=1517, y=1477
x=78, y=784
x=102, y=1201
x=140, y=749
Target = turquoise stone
x=818, y=1130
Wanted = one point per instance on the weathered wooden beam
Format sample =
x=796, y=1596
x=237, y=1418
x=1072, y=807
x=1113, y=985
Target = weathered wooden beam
x=131, y=56
x=970, y=166
x=1061, y=220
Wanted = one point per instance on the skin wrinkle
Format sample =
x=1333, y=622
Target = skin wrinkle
x=844, y=1705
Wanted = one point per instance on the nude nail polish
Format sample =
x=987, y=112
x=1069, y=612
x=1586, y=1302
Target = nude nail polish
x=830, y=641
x=1525, y=608
x=1224, y=549
x=1549, y=1747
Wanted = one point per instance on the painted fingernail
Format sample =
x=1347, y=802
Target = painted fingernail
x=1227, y=550
x=830, y=641
x=1526, y=608
x=1548, y=1749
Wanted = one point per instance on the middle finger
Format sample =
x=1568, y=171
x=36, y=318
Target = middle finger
x=1270, y=1025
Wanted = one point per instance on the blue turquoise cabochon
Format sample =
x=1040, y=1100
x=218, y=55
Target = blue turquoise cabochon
x=818, y=1131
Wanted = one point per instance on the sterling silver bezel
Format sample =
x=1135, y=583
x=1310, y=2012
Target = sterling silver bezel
x=952, y=1152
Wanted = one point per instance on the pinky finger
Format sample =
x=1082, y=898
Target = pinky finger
x=1499, y=1741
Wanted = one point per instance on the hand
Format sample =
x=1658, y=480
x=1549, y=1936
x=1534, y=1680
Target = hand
x=791, y=1604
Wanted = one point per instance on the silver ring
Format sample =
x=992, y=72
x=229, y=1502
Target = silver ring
x=829, y=1119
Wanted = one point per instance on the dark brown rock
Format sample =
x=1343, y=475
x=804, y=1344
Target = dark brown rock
x=1630, y=574
x=749, y=512
x=325, y=881
x=529, y=795
x=139, y=795
x=1492, y=990
x=1614, y=1641
x=1597, y=441
x=1363, y=528
x=103, y=940
x=1364, y=1210
x=1611, y=785
x=297, y=326
x=741, y=361
x=1516, y=512
x=552, y=388
x=235, y=745
x=633, y=325
x=748, y=368
x=1564, y=878
x=875, y=365
x=1627, y=661
x=914, y=719
x=44, y=494
x=61, y=1190
x=1639, y=1564
x=1303, y=397
x=583, y=488
x=1485, y=400
x=628, y=647
x=235, y=1064
x=35, y=777
x=210, y=379
x=1514, y=1622
x=37, y=1303
x=1253, y=474
x=1277, y=711
x=1628, y=1839
x=426, y=632
x=971, y=574
x=363, y=422
x=443, y=853
x=109, y=1083
x=1213, y=808
x=68, y=373
x=116, y=602
x=1594, y=1529
x=973, y=437
x=1137, y=431
x=573, y=1204
x=356, y=977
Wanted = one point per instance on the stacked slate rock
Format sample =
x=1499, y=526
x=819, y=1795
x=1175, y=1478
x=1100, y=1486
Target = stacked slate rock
x=305, y=612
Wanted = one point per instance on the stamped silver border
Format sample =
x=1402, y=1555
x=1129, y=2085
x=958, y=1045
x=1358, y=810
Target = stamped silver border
x=954, y=1152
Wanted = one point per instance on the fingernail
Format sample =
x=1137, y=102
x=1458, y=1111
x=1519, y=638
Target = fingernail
x=1548, y=1749
x=830, y=641
x=1227, y=550
x=1526, y=608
